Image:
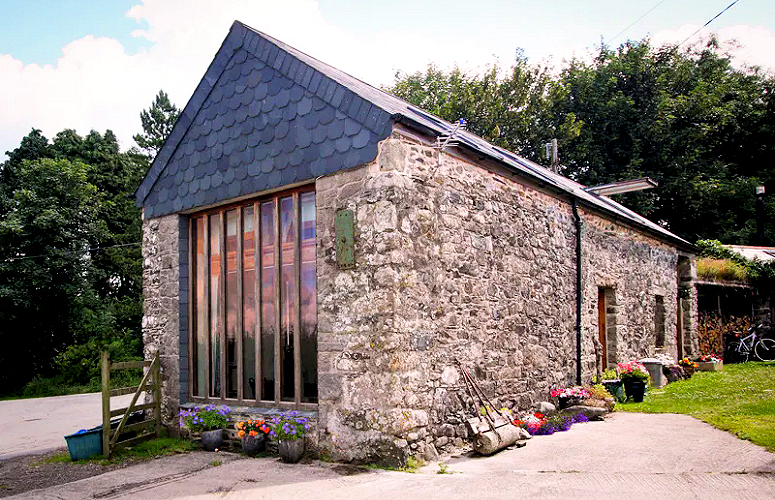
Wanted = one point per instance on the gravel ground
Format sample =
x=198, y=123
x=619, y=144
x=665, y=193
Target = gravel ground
x=30, y=472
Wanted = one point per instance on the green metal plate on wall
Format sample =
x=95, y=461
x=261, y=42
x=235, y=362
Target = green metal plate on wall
x=344, y=225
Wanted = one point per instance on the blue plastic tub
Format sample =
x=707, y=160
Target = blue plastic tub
x=84, y=444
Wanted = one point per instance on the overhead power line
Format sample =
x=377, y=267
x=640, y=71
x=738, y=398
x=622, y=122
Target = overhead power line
x=635, y=22
x=713, y=19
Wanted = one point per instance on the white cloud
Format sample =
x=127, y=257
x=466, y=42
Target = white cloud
x=747, y=45
x=97, y=85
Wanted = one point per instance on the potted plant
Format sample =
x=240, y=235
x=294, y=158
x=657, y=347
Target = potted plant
x=289, y=430
x=569, y=396
x=709, y=363
x=613, y=384
x=209, y=421
x=253, y=435
x=635, y=377
x=688, y=365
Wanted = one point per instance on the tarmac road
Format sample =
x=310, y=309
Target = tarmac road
x=629, y=456
x=36, y=425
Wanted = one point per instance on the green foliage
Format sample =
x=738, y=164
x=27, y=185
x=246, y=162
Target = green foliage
x=759, y=273
x=738, y=399
x=509, y=110
x=721, y=269
x=63, y=294
x=157, y=121
x=685, y=118
x=206, y=418
x=290, y=426
x=443, y=469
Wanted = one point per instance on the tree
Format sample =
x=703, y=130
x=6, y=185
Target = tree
x=43, y=271
x=157, y=122
x=74, y=286
x=509, y=110
x=687, y=119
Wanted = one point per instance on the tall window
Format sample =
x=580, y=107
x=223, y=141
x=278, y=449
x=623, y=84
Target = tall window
x=254, y=317
x=659, y=320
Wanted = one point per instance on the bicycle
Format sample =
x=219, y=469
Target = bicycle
x=762, y=348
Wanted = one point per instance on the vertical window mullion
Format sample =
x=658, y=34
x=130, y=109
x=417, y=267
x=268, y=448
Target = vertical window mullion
x=257, y=298
x=222, y=301
x=240, y=305
x=192, y=269
x=277, y=305
x=296, y=299
x=206, y=242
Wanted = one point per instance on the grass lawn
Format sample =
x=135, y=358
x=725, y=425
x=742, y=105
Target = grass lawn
x=739, y=399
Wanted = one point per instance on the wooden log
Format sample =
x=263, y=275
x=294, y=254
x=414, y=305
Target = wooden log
x=487, y=443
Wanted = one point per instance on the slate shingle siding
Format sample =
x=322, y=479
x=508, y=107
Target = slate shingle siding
x=269, y=121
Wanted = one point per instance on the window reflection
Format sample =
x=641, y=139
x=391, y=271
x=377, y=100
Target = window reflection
x=248, y=308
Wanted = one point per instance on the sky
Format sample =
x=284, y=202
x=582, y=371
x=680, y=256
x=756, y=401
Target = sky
x=85, y=64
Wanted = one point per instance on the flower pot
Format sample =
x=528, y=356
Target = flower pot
x=709, y=366
x=291, y=451
x=212, y=439
x=635, y=390
x=254, y=444
x=615, y=388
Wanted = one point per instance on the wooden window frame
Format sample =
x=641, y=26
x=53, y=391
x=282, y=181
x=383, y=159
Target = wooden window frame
x=255, y=203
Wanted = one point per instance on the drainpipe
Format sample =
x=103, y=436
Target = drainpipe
x=577, y=220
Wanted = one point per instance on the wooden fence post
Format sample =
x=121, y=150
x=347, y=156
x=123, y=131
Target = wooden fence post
x=157, y=392
x=105, y=404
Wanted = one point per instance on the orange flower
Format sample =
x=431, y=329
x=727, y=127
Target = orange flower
x=241, y=434
x=240, y=425
x=253, y=433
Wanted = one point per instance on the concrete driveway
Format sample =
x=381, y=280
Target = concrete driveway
x=631, y=456
x=36, y=425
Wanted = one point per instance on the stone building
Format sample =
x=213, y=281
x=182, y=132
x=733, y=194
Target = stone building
x=309, y=244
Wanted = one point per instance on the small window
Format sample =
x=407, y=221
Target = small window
x=659, y=320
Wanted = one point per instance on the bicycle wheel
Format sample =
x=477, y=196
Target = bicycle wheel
x=737, y=352
x=765, y=349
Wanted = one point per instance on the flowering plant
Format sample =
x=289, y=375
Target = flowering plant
x=531, y=422
x=665, y=359
x=539, y=425
x=209, y=418
x=252, y=428
x=571, y=392
x=709, y=358
x=290, y=426
x=688, y=363
x=633, y=371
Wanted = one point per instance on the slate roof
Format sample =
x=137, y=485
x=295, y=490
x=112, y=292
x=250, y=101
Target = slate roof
x=267, y=115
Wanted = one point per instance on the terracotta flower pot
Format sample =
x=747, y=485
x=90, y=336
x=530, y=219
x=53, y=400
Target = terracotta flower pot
x=291, y=451
x=254, y=444
x=212, y=439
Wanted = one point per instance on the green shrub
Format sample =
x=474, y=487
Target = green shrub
x=721, y=269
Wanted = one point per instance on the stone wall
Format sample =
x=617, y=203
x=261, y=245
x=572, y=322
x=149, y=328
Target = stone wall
x=456, y=263
x=162, y=301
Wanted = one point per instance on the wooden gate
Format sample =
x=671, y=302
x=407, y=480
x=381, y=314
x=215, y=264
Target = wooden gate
x=144, y=429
